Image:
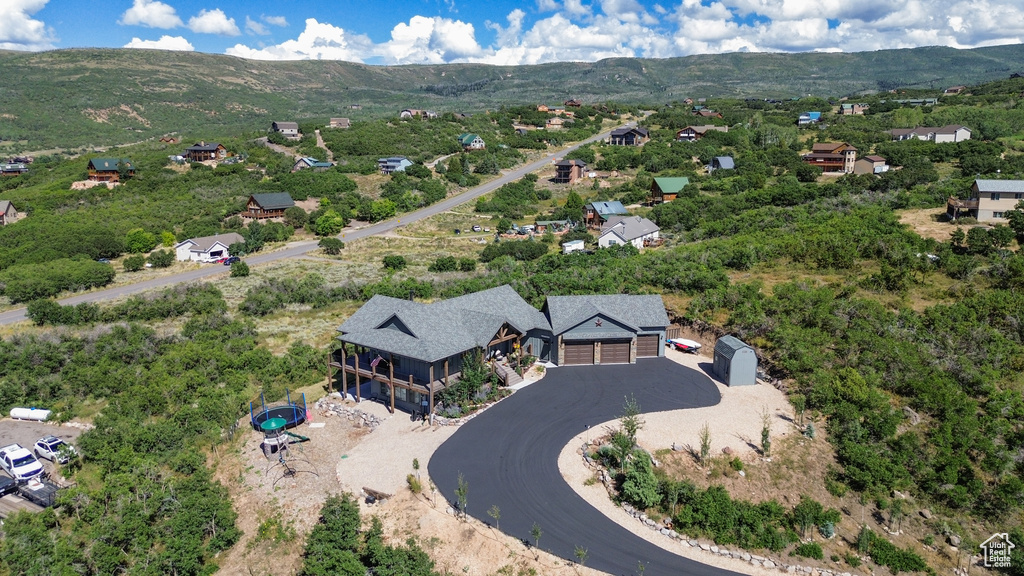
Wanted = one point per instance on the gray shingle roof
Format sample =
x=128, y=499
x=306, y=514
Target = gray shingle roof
x=206, y=242
x=629, y=227
x=999, y=185
x=440, y=329
x=643, y=311
x=6, y=205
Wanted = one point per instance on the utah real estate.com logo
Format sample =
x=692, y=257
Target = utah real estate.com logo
x=997, y=550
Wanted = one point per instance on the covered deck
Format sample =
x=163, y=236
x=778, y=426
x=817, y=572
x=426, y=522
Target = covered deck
x=365, y=366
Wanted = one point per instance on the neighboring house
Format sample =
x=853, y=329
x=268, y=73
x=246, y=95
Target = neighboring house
x=595, y=214
x=109, y=169
x=270, y=205
x=707, y=113
x=809, y=118
x=694, y=133
x=954, y=90
x=629, y=136
x=311, y=164
x=287, y=129
x=410, y=351
x=409, y=113
x=471, y=141
x=950, y=133
x=555, y=123
x=573, y=103
x=202, y=151
x=832, y=157
x=852, y=109
x=393, y=164
x=621, y=230
x=339, y=123
x=870, y=165
x=542, y=108
x=355, y=106
x=989, y=200
x=666, y=189
x=13, y=169
x=169, y=140
x=916, y=102
x=8, y=213
x=569, y=171
x=721, y=163
x=206, y=249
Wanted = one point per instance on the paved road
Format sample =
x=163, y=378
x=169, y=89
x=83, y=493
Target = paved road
x=509, y=457
x=300, y=248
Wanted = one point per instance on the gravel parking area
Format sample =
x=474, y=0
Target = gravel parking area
x=26, y=432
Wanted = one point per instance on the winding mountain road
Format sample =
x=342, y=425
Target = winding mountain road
x=300, y=248
x=508, y=457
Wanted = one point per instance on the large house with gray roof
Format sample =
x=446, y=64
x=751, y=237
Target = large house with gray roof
x=622, y=230
x=409, y=351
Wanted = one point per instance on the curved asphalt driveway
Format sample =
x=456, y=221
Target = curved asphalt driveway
x=509, y=457
x=301, y=248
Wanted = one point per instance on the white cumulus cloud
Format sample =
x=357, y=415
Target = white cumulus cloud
x=19, y=31
x=165, y=42
x=275, y=20
x=213, y=22
x=318, y=41
x=151, y=13
x=431, y=41
x=255, y=28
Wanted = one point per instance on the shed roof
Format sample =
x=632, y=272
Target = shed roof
x=728, y=346
x=274, y=200
x=6, y=205
x=634, y=311
x=203, y=147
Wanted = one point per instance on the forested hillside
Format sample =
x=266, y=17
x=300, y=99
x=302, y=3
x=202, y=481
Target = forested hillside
x=69, y=99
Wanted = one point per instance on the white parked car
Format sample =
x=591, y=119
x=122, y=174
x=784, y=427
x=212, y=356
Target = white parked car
x=19, y=463
x=54, y=449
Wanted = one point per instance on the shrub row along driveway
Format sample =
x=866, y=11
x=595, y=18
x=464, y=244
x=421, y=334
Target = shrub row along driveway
x=509, y=457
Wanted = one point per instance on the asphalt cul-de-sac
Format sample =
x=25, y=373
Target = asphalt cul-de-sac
x=509, y=457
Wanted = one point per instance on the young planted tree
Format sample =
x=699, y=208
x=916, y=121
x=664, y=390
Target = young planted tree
x=536, y=532
x=705, y=444
x=631, y=421
x=766, y=433
x=581, y=555
x=462, y=495
x=495, y=513
x=799, y=402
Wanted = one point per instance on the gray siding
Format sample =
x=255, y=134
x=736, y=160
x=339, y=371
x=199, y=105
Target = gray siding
x=739, y=370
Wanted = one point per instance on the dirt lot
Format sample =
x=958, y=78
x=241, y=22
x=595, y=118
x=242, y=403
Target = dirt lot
x=26, y=432
x=925, y=222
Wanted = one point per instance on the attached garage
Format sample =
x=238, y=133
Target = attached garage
x=578, y=353
x=648, y=346
x=615, y=352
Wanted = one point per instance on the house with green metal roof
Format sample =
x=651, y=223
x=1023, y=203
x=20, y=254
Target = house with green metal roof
x=471, y=141
x=409, y=351
x=666, y=189
x=110, y=169
x=271, y=205
x=313, y=164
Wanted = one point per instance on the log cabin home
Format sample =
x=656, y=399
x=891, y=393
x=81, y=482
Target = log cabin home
x=203, y=151
x=272, y=205
x=110, y=169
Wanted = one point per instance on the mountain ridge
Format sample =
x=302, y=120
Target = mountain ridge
x=88, y=96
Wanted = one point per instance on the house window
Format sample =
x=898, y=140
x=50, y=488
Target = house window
x=998, y=214
x=995, y=195
x=1018, y=196
x=401, y=394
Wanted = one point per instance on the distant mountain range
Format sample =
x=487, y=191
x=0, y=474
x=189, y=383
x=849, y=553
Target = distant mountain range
x=69, y=99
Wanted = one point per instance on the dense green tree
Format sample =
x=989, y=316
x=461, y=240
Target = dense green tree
x=138, y=240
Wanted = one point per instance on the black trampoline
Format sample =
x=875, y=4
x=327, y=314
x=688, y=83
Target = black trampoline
x=293, y=413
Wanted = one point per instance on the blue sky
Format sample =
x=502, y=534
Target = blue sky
x=506, y=32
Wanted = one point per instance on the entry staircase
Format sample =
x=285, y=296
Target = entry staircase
x=507, y=374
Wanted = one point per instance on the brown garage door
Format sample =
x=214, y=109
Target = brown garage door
x=615, y=352
x=578, y=353
x=647, y=346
